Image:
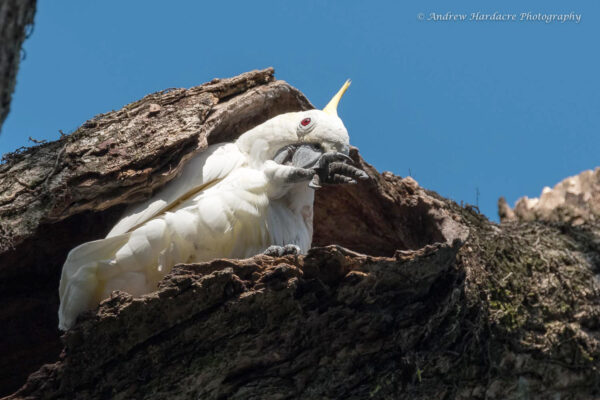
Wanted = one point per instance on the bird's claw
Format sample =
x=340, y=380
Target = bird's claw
x=333, y=156
x=315, y=183
x=335, y=168
x=280, y=251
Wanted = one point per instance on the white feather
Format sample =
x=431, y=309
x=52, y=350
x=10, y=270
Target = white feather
x=78, y=282
x=206, y=168
x=231, y=201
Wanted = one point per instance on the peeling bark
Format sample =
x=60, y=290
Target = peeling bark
x=574, y=200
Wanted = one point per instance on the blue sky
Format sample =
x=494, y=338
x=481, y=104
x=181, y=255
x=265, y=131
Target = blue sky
x=499, y=107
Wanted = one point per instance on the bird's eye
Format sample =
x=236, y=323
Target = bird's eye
x=305, y=126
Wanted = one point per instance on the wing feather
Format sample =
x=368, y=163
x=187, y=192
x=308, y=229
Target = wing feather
x=200, y=173
x=79, y=282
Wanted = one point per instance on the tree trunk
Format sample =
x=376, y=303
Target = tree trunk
x=574, y=200
x=405, y=295
x=15, y=17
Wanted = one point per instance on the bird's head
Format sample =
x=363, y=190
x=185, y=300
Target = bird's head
x=321, y=128
x=324, y=127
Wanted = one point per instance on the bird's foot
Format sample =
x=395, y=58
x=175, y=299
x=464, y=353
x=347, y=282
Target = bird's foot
x=279, y=251
x=295, y=175
x=333, y=168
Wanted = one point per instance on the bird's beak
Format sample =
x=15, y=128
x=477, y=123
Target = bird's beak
x=331, y=107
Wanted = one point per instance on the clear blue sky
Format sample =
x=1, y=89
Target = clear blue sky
x=505, y=107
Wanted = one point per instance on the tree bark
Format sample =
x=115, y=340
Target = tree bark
x=405, y=294
x=15, y=17
x=574, y=200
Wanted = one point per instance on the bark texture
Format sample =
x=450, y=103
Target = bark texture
x=574, y=200
x=405, y=295
x=15, y=17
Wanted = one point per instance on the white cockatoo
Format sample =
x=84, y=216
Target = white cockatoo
x=233, y=200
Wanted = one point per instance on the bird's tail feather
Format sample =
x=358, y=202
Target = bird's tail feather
x=79, y=281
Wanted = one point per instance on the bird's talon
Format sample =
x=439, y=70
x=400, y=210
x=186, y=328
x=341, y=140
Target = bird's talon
x=315, y=183
x=332, y=170
x=280, y=251
x=331, y=157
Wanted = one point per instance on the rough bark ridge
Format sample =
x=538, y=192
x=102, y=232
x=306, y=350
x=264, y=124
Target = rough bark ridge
x=15, y=17
x=574, y=200
x=405, y=296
